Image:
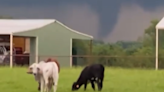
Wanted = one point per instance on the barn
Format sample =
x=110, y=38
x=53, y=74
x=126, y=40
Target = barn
x=42, y=38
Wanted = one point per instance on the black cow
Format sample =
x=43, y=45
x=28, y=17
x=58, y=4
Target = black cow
x=92, y=73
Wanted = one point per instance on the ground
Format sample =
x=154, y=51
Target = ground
x=116, y=80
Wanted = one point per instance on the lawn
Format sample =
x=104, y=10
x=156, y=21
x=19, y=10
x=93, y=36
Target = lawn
x=116, y=80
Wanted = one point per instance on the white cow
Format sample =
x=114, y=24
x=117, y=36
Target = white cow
x=45, y=71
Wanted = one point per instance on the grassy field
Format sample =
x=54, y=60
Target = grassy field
x=116, y=80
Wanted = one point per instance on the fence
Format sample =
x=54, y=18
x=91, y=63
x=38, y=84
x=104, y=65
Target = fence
x=83, y=60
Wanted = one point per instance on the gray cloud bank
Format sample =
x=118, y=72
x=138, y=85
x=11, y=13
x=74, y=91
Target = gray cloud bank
x=131, y=22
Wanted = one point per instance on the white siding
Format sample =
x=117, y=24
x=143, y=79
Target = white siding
x=27, y=45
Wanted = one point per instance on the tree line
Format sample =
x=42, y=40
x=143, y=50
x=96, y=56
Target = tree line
x=134, y=54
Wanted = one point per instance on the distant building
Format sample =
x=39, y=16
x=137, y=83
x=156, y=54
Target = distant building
x=42, y=38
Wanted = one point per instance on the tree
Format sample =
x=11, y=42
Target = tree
x=149, y=35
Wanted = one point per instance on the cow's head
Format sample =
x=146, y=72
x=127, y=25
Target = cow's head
x=75, y=86
x=34, y=69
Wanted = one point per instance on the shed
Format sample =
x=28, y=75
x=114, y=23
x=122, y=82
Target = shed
x=48, y=37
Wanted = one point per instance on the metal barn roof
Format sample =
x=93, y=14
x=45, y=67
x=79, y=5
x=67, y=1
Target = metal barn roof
x=160, y=24
x=9, y=26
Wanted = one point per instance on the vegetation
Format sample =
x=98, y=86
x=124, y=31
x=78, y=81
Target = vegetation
x=140, y=53
x=116, y=80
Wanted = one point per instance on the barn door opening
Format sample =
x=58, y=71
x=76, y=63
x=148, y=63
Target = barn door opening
x=80, y=48
x=74, y=52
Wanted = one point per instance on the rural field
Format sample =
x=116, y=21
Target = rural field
x=116, y=80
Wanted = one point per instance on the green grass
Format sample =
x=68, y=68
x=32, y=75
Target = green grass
x=116, y=80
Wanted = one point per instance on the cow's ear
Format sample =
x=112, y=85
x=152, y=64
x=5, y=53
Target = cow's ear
x=77, y=86
x=39, y=70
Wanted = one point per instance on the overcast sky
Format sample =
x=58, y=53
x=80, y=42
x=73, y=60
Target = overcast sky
x=108, y=20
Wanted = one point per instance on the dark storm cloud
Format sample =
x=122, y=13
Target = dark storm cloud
x=106, y=14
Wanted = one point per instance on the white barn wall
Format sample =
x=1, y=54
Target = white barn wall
x=27, y=45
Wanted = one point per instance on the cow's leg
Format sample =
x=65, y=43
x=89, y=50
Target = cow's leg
x=42, y=85
x=99, y=84
x=49, y=87
x=38, y=86
x=46, y=84
x=50, y=83
x=55, y=81
x=85, y=85
x=93, y=85
x=46, y=80
x=46, y=87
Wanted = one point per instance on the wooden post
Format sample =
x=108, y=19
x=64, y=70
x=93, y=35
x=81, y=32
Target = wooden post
x=11, y=50
x=156, y=49
x=36, y=50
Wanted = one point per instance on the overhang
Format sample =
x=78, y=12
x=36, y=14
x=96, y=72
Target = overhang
x=11, y=26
